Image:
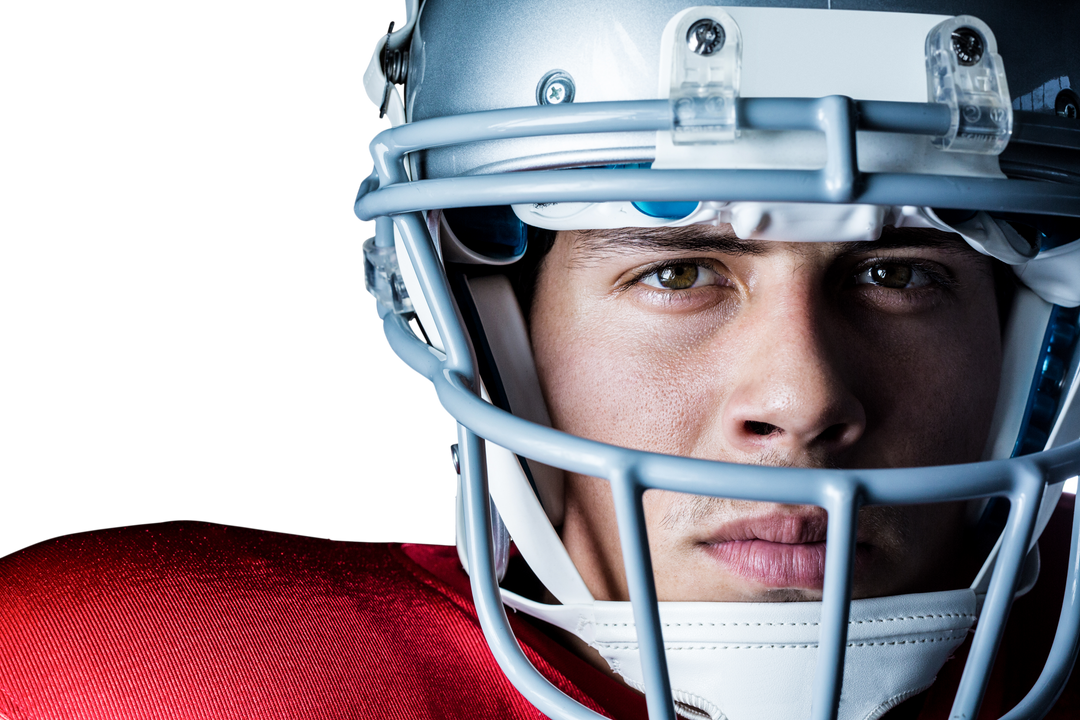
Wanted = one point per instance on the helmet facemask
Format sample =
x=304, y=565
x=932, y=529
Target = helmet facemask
x=785, y=168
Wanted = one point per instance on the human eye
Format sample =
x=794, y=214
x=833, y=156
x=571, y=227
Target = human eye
x=901, y=274
x=902, y=284
x=681, y=275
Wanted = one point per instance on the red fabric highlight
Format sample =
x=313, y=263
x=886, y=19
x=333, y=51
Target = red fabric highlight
x=203, y=622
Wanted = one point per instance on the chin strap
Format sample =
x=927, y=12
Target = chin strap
x=756, y=661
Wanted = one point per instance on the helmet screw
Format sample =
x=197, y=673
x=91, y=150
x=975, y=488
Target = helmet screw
x=555, y=93
x=555, y=88
x=705, y=37
x=454, y=457
x=968, y=45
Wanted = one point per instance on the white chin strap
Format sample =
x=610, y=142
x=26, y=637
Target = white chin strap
x=756, y=661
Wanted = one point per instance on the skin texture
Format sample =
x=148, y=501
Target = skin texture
x=851, y=355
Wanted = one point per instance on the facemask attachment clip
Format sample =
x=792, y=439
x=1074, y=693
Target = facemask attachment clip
x=382, y=278
x=706, y=60
x=964, y=71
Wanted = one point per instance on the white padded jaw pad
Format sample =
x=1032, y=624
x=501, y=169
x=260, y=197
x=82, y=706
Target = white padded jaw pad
x=507, y=337
x=756, y=661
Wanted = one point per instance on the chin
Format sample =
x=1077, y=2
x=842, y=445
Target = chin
x=790, y=595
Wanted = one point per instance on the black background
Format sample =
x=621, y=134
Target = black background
x=196, y=342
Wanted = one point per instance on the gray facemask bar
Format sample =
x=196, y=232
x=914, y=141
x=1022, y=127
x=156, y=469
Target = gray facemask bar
x=841, y=493
x=840, y=181
x=1022, y=481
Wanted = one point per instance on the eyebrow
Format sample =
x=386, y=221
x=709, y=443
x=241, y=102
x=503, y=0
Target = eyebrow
x=910, y=237
x=691, y=238
x=722, y=240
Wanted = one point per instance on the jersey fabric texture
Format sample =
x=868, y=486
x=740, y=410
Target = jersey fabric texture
x=205, y=622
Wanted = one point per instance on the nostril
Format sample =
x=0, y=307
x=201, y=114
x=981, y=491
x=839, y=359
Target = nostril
x=760, y=428
x=833, y=433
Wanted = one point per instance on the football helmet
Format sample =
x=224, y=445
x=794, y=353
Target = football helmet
x=789, y=120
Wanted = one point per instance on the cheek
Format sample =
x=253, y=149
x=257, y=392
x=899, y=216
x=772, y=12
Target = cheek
x=627, y=384
x=930, y=395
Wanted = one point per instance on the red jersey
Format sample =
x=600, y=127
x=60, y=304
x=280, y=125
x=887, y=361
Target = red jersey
x=204, y=622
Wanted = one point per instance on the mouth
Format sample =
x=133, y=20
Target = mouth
x=780, y=551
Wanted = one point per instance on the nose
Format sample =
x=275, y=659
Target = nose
x=791, y=398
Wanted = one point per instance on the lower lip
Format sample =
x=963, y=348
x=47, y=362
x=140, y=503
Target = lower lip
x=777, y=565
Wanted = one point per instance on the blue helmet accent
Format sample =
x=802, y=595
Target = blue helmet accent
x=667, y=210
x=1044, y=401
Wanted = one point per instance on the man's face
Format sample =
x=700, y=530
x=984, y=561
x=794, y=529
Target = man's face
x=692, y=342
